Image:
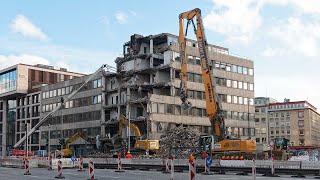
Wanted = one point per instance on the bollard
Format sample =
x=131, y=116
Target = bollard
x=26, y=166
x=119, y=164
x=167, y=169
x=192, y=168
x=91, y=170
x=50, y=162
x=80, y=164
x=59, y=175
x=254, y=172
x=172, y=169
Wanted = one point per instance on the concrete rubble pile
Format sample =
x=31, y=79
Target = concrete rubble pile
x=180, y=142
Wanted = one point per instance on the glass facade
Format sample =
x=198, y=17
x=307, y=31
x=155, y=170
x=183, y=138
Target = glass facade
x=8, y=81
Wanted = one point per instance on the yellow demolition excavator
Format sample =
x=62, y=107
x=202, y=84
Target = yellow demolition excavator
x=141, y=145
x=220, y=144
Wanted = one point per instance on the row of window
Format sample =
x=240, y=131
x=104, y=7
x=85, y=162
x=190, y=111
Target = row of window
x=199, y=112
x=232, y=68
x=33, y=99
x=177, y=110
x=218, y=65
x=194, y=77
x=287, y=106
x=86, y=101
x=73, y=118
x=56, y=134
x=223, y=97
x=28, y=112
x=67, y=90
x=234, y=84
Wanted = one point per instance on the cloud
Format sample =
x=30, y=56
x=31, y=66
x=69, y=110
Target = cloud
x=76, y=59
x=298, y=36
x=10, y=60
x=121, y=17
x=24, y=26
x=237, y=20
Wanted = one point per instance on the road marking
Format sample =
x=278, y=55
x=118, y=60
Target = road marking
x=113, y=177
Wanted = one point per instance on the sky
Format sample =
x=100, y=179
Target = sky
x=281, y=36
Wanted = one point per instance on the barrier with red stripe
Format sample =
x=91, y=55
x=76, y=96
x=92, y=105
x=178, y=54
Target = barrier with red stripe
x=91, y=170
x=192, y=168
x=80, y=164
x=26, y=166
x=59, y=171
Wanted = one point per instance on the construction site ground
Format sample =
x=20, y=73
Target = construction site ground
x=40, y=173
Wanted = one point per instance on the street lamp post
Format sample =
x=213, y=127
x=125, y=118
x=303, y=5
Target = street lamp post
x=26, y=144
x=49, y=134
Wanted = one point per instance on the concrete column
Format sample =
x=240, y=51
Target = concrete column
x=4, y=128
x=151, y=52
x=103, y=103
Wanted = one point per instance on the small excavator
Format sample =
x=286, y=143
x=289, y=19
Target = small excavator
x=220, y=144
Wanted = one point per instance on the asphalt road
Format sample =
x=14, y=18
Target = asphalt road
x=100, y=174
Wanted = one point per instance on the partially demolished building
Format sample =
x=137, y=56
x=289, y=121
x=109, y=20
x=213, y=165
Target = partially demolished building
x=146, y=88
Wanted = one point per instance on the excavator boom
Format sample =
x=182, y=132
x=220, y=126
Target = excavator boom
x=212, y=104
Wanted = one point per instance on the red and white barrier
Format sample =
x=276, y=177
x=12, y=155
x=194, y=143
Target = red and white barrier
x=59, y=172
x=192, y=168
x=167, y=169
x=254, y=171
x=80, y=164
x=50, y=162
x=172, y=169
x=91, y=170
x=119, y=169
x=272, y=166
x=26, y=166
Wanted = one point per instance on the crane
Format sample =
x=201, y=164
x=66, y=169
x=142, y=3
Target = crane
x=213, y=105
x=45, y=118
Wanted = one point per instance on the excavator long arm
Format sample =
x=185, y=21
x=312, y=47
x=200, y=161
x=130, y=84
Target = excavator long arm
x=212, y=103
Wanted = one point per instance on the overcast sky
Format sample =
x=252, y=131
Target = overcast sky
x=282, y=37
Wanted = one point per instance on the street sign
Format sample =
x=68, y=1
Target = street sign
x=73, y=158
x=209, y=161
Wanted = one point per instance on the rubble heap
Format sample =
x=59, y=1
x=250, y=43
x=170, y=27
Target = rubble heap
x=180, y=142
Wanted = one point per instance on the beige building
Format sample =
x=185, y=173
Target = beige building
x=149, y=78
x=297, y=121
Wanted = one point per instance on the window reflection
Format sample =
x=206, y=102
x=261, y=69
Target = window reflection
x=8, y=81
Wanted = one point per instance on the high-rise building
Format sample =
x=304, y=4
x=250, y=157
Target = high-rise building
x=20, y=101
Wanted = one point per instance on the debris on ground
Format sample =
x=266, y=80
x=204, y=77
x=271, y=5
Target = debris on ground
x=180, y=142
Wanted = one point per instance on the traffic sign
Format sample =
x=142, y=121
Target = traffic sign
x=73, y=158
x=209, y=161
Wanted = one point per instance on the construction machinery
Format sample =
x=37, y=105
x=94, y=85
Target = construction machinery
x=219, y=142
x=67, y=151
x=140, y=145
